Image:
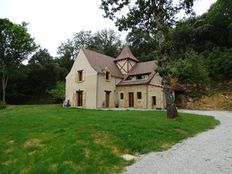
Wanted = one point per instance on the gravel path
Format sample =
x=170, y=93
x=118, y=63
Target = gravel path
x=207, y=153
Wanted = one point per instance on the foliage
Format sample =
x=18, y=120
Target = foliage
x=220, y=64
x=2, y=105
x=71, y=48
x=15, y=46
x=106, y=42
x=191, y=69
x=57, y=140
x=58, y=92
x=142, y=44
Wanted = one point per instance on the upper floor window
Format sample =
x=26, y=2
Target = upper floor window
x=80, y=75
x=107, y=75
x=138, y=77
x=139, y=95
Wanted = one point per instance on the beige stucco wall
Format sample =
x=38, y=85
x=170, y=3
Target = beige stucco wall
x=106, y=85
x=156, y=80
x=88, y=85
x=155, y=89
x=158, y=93
x=138, y=103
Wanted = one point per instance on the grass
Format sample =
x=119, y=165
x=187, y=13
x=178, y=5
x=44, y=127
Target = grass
x=48, y=139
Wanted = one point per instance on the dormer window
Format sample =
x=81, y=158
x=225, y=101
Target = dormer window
x=139, y=77
x=80, y=75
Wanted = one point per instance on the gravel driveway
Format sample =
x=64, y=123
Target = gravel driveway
x=207, y=153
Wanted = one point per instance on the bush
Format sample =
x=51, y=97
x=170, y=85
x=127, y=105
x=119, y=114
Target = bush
x=2, y=105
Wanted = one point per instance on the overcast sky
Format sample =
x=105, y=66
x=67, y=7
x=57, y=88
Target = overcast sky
x=52, y=22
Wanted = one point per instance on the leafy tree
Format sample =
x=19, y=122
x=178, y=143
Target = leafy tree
x=191, y=69
x=43, y=75
x=71, y=48
x=106, y=42
x=156, y=17
x=58, y=92
x=142, y=43
x=15, y=46
x=219, y=62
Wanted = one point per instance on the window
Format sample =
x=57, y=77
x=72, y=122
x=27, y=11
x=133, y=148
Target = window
x=121, y=96
x=107, y=75
x=80, y=75
x=139, y=95
x=129, y=78
x=153, y=100
x=138, y=77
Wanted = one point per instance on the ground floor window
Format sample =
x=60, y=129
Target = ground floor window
x=153, y=100
x=121, y=96
x=139, y=95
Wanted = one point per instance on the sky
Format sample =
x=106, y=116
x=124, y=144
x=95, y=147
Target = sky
x=52, y=22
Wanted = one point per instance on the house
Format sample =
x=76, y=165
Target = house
x=98, y=81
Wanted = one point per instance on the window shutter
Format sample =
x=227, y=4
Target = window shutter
x=76, y=77
x=74, y=99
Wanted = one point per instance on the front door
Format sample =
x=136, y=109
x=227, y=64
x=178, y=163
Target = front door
x=79, y=98
x=107, y=93
x=131, y=99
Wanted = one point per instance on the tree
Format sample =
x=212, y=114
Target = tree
x=220, y=64
x=142, y=43
x=106, y=42
x=58, y=92
x=71, y=48
x=191, y=69
x=15, y=46
x=156, y=17
x=43, y=75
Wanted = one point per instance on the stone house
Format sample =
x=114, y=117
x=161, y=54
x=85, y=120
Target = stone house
x=99, y=81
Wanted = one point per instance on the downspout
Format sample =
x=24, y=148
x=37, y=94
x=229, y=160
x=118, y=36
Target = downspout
x=97, y=92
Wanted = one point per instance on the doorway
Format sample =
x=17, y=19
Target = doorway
x=107, y=98
x=80, y=98
x=131, y=99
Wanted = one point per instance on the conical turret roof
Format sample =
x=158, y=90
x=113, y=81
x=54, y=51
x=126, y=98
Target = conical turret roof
x=126, y=54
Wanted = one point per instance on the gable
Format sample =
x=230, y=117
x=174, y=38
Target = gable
x=81, y=63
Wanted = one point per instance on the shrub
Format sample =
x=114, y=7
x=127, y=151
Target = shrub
x=2, y=105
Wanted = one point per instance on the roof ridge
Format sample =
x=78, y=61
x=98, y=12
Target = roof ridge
x=95, y=52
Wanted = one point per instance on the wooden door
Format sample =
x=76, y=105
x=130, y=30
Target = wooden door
x=131, y=99
x=107, y=93
x=79, y=98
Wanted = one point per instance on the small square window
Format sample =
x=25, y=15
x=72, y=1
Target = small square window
x=139, y=95
x=121, y=96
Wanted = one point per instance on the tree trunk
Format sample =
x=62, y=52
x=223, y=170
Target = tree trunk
x=163, y=64
x=168, y=92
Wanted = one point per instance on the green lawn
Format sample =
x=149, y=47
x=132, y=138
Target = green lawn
x=50, y=139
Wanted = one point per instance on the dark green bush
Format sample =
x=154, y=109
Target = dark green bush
x=2, y=105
